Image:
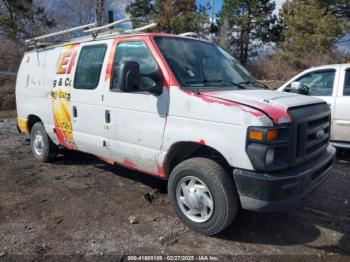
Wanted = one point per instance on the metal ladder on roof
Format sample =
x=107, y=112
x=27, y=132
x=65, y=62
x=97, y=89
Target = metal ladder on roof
x=189, y=34
x=91, y=29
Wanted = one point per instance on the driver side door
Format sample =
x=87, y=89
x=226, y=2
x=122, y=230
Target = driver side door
x=135, y=120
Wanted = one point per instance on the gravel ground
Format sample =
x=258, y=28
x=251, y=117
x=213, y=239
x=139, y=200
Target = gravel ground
x=78, y=205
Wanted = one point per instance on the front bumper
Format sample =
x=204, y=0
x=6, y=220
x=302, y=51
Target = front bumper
x=280, y=191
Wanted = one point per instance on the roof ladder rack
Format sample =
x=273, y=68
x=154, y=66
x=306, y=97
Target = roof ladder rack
x=90, y=28
x=108, y=26
x=67, y=31
x=139, y=29
x=111, y=33
x=120, y=31
x=189, y=34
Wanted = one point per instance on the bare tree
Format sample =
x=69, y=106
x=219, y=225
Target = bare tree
x=69, y=13
x=72, y=13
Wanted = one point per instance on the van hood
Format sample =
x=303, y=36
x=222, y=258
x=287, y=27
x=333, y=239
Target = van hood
x=274, y=104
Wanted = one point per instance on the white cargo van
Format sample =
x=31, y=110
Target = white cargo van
x=183, y=110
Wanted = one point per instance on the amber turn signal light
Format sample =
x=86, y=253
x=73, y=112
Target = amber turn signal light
x=256, y=135
x=272, y=135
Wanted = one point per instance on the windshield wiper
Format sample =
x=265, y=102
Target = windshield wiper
x=224, y=81
x=253, y=83
x=215, y=81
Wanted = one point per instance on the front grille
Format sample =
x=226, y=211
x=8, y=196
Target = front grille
x=313, y=135
x=311, y=131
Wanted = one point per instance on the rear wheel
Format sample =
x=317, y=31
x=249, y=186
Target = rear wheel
x=42, y=146
x=203, y=195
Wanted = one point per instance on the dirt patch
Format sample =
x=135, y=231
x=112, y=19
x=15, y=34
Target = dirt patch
x=7, y=94
x=78, y=205
x=8, y=114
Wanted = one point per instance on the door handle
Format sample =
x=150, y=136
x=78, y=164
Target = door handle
x=108, y=116
x=75, y=112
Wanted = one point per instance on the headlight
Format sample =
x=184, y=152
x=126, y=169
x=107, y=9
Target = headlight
x=268, y=147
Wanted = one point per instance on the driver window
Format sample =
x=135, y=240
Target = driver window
x=319, y=83
x=135, y=51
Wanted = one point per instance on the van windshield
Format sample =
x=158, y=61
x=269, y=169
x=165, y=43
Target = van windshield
x=198, y=64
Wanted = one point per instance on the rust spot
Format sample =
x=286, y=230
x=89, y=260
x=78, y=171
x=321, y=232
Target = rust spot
x=128, y=163
x=161, y=171
x=107, y=160
x=131, y=165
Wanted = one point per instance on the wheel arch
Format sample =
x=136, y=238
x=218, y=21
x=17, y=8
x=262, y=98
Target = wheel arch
x=181, y=151
x=31, y=120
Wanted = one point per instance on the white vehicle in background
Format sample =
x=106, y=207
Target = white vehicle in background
x=332, y=84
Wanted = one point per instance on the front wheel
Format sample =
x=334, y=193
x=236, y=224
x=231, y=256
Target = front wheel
x=43, y=148
x=203, y=195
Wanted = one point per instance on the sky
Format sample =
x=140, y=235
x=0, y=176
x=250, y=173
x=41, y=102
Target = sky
x=218, y=4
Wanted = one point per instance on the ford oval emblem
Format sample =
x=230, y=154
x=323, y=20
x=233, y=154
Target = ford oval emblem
x=320, y=133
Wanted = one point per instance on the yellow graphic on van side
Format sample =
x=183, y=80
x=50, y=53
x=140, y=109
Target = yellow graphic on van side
x=60, y=96
x=63, y=122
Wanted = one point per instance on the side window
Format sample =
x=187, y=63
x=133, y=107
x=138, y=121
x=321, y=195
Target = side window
x=135, y=52
x=89, y=66
x=320, y=83
x=347, y=83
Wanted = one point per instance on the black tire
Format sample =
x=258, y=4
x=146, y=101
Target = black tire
x=49, y=150
x=222, y=189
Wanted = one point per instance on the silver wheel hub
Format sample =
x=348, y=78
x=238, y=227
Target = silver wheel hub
x=38, y=143
x=194, y=199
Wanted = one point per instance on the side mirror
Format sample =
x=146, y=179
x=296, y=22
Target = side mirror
x=299, y=88
x=129, y=79
x=157, y=78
